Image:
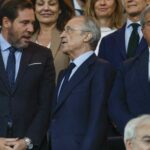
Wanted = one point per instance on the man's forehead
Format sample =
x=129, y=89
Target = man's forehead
x=26, y=14
x=76, y=22
x=143, y=129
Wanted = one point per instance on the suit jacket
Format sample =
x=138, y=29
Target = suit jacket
x=30, y=99
x=79, y=119
x=112, y=47
x=130, y=95
x=60, y=59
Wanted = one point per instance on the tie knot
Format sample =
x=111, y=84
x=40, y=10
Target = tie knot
x=135, y=26
x=12, y=49
x=71, y=66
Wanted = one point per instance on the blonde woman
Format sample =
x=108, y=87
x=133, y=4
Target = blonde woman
x=107, y=13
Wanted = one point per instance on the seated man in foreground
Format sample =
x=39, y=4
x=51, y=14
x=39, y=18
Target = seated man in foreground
x=137, y=133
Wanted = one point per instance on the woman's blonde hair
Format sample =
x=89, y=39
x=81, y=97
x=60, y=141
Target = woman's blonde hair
x=117, y=16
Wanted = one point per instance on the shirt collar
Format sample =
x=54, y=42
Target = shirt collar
x=79, y=60
x=129, y=22
x=3, y=43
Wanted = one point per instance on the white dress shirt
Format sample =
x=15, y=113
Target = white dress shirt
x=76, y=7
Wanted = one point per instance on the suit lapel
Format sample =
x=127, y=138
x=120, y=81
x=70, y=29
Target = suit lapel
x=60, y=77
x=3, y=74
x=75, y=80
x=26, y=56
x=121, y=46
x=142, y=45
x=142, y=71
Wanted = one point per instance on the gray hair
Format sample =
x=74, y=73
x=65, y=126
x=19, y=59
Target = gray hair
x=91, y=26
x=143, y=14
x=131, y=126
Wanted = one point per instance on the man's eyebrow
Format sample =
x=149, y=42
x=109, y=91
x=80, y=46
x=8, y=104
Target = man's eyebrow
x=146, y=137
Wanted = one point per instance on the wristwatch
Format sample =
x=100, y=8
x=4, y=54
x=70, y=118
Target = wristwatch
x=28, y=143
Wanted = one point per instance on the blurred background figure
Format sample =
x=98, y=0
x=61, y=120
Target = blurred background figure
x=137, y=133
x=1, y=1
x=77, y=5
x=51, y=17
x=127, y=41
x=108, y=14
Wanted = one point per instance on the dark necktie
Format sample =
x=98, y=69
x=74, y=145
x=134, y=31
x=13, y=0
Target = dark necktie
x=11, y=63
x=133, y=41
x=66, y=77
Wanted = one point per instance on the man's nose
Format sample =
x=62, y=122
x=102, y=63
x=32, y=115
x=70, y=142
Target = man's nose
x=30, y=28
x=62, y=34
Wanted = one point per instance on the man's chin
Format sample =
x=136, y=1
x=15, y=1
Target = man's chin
x=65, y=51
x=23, y=44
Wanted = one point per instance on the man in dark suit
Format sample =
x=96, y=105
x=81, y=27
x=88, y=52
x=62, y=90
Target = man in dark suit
x=27, y=78
x=130, y=96
x=79, y=116
x=115, y=47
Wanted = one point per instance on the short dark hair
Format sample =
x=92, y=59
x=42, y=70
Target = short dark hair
x=66, y=14
x=9, y=8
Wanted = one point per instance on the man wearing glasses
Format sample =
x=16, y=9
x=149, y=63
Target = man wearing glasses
x=79, y=116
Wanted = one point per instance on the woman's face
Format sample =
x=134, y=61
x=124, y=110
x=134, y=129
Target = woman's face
x=47, y=11
x=104, y=8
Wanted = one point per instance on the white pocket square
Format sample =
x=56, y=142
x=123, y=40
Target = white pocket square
x=38, y=63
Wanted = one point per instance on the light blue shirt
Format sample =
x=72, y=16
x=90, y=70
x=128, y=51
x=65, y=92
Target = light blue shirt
x=78, y=62
x=128, y=32
x=4, y=45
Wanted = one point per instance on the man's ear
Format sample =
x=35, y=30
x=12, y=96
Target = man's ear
x=6, y=23
x=88, y=36
x=128, y=145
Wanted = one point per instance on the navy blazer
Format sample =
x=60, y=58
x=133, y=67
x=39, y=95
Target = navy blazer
x=31, y=97
x=79, y=119
x=130, y=95
x=112, y=47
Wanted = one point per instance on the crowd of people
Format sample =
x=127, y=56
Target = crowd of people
x=74, y=75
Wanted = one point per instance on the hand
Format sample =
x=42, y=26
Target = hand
x=4, y=141
x=17, y=145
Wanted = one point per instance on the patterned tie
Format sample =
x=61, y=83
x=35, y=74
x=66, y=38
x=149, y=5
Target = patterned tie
x=10, y=69
x=133, y=41
x=66, y=78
